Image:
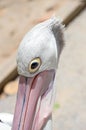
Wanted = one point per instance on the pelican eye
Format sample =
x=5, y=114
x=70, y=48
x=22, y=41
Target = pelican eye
x=34, y=65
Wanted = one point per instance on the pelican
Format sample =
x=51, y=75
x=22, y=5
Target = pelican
x=37, y=61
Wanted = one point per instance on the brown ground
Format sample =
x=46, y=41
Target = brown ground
x=17, y=17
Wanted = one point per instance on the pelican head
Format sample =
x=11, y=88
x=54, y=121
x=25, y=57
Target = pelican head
x=37, y=60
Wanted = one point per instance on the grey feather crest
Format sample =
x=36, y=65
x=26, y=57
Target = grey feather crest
x=56, y=26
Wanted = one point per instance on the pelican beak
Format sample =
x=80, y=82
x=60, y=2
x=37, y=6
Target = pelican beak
x=34, y=101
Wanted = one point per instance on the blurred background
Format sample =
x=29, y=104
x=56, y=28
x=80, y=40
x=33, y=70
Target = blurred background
x=17, y=17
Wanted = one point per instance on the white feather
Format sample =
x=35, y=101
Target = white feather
x=4, y=127
x=6, y=119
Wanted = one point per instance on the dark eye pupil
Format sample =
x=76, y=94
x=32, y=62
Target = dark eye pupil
x=34, y=65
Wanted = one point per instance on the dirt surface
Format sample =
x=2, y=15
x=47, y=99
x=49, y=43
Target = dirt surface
x=18, y=16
